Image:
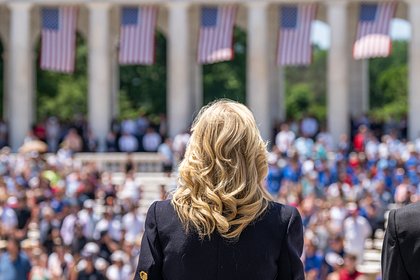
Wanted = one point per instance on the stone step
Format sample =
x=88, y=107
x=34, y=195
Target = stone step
x=370, y=267
x=370, y=255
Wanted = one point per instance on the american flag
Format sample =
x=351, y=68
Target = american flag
x=294, y=43
x=58, y=39
x=137, y=35
x=216, y=34
x=373, y=38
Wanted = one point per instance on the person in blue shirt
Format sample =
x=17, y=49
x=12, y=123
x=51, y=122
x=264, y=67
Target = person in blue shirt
x=313, y=261
x=14, y=264
x=292, y=171
x=274, y=176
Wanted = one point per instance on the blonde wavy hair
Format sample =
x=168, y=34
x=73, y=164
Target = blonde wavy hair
x=221, y=176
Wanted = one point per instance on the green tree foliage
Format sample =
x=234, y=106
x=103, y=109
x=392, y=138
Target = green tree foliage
x=306, y=87
x=143, y=88
x=388, y=79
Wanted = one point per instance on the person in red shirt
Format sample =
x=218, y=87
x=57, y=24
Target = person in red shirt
x=359, y=139
x=349, y=271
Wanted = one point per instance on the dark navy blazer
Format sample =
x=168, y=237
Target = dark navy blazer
x=401, y=247
x=270, y=248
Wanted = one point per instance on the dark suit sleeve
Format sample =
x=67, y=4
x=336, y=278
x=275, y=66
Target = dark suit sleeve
x=392, y=262
x=150, y=259
x=290, y=264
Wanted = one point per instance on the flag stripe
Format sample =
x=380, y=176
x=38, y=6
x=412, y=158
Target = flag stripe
x=373, y=38
x=137, y=41
x=216, y=41
x=58, y=45
x=294, y=45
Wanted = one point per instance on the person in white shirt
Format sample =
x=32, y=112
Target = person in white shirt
x=179, y=145
x=109, y=224
x=53, y=133
x=285, y=138
x=309, y=126
x=88, y=219
x=304, y=147
x=67, y=229
x=58, y=261
x=372, y=147
x=165, y=150
x=133, y=224
x=130, y=189
x=326, y=138
x=128, y=143
x=356, y=230
x=151, y=140
x=129, y=126
x=337, y=214
x=119, y=269
x=8, y=216
x=142, y=124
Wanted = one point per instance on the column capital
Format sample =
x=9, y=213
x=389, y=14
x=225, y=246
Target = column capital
x=257, y=4
x=99, y=5
x=412, y=3
x=178, y=5
x=336, y=3
x=19, y=5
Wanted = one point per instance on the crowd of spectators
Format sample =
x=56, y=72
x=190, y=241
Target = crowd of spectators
x=127, y=135
x=61, y=221
x=343, y=190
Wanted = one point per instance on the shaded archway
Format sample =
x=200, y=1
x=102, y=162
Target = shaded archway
x=227, y=79
x=388, y=79
x=143, y=87
x=63, y=95
x=306, y=85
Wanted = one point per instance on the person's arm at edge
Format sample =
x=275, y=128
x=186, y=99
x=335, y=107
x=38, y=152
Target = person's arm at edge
x=150, y=257
x=294, y=247
x=392, y=263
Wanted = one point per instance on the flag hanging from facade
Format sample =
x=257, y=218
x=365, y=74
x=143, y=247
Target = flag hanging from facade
x=294, y=40
x=216, y=34
x=373, y=38
x=137, y=35
x=58, y=39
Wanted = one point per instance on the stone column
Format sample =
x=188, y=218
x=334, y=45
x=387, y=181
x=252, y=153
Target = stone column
x=196, y=68
x=338, y=83
x=115, y=65
x=100, y=78
x=277, y=86
x=258, y=66
x=20, y=73
x=358, y=69
x=6, y=74
x=179, y=94
x=115, y=83
x=414, y=70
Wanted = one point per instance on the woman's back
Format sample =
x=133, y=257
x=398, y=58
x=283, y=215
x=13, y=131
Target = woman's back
x=221, y=223
x=264, y=250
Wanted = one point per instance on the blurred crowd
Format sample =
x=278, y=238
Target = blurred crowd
x=343, y=190
x=145, y=133
x=61, y=220
x=128, y=135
